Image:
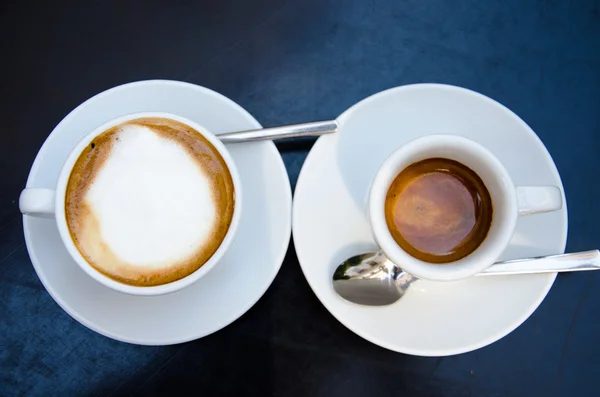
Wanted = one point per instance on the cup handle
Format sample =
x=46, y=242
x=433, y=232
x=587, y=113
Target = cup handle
x=538, y=199
x=37, y=202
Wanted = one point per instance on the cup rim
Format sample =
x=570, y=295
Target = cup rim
x=157, y=289
x=465, y=267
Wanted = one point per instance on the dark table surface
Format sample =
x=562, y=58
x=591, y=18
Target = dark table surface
x=289, y=62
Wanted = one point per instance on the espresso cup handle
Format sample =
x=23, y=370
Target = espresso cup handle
x=538, y=199
x=37, y=202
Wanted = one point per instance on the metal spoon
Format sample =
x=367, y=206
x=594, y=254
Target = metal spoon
x=286, y=131
x=372, y=279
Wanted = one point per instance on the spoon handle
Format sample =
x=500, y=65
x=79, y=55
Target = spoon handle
x=587, y=260
x=285, y=131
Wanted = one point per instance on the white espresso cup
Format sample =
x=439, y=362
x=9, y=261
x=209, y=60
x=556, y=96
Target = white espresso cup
x=50, y=203
x=508, y=203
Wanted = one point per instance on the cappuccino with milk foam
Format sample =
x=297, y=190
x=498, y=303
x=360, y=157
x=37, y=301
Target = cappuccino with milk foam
x=149, y=201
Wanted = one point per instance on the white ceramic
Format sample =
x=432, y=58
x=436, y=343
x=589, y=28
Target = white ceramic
x=43, y=202
x=507, y=204
x=330, y=221
x=229, y=289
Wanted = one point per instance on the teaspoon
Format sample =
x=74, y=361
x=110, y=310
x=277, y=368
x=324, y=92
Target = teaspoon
x=315, y=128
x=371, y=279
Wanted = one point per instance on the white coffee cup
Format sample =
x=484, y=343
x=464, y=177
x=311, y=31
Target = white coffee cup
x=48, y=203
x=508, y=202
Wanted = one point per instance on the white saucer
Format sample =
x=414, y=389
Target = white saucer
x=330, y=219
x=232, y=287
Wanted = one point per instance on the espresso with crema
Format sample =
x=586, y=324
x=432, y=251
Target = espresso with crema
x=149, y=201
x=438, y=210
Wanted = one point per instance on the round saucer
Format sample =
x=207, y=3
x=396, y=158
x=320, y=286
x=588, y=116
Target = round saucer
x=224, y=294
x=330, y=220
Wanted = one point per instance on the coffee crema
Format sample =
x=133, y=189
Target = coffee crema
x=438, y=210
x=149, y=201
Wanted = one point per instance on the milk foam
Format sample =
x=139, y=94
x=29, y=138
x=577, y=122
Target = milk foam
x=152, y=201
